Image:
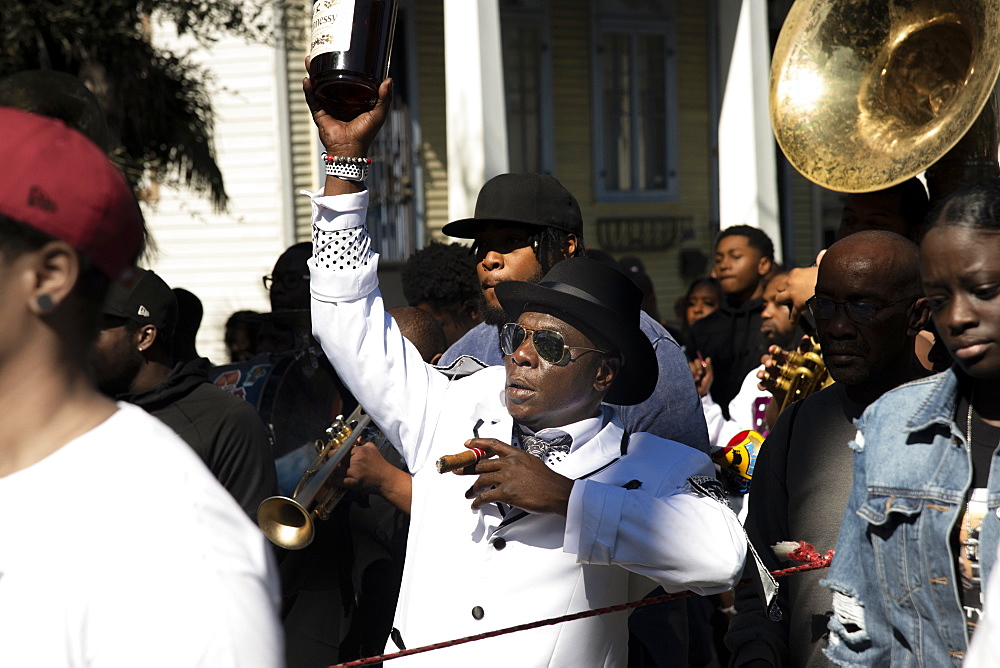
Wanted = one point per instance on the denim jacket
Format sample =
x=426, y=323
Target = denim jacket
x=895, y=598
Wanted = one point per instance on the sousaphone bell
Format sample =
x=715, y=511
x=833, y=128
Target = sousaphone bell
x=865, y=94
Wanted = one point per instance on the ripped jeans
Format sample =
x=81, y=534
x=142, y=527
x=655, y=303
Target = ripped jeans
x=895, y=592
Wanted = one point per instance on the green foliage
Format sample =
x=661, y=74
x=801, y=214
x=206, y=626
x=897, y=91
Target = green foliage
x=206, y=19
x=157, y=102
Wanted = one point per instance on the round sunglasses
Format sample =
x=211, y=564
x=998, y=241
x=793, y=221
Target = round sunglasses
x=549, y=344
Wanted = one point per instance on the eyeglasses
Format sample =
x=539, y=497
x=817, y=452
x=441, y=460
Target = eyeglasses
x=549, y=344
x=862, y=313
x=287, y=281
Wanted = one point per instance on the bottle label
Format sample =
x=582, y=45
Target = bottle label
x=331, y=26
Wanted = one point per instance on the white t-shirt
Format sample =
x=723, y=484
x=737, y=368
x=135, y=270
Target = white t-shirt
x=121, y=549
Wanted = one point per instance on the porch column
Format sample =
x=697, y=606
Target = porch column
x=474, y=95
x=748, y=189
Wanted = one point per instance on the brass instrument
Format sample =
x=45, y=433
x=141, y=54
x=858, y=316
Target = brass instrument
x=288, y=522
x=865, y=94
x=802, y=373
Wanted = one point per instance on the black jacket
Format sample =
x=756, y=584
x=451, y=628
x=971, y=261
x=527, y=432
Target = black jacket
x=224, y=430
x=731, y=336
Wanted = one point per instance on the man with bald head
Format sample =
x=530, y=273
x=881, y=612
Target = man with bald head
x=868, y=309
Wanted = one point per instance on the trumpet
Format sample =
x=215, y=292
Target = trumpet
x=288, y=522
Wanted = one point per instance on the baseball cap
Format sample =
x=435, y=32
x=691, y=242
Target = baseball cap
x=524, y=199
x=147, y=300
x=57, y=181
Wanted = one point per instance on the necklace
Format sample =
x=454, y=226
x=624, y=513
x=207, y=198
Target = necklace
x=968, y=554
x=968, y=422
x=968, y=430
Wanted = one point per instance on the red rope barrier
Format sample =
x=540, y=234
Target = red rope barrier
x=804, y=553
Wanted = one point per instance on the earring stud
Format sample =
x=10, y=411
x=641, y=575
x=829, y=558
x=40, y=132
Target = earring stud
x=45, y=303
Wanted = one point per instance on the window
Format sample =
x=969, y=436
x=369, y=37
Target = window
x=635, y=103
x=527, y=77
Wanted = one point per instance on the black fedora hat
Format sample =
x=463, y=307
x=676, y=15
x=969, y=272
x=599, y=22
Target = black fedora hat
x=603, y=303
x=525, y=199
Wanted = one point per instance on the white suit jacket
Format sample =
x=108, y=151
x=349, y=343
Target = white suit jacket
x=469, y=572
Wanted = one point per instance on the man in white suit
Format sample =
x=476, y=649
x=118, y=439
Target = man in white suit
x=576, y=513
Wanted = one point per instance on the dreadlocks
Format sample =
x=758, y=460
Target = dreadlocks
x=549, y=245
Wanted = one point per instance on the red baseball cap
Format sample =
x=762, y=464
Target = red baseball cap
x=57, y=181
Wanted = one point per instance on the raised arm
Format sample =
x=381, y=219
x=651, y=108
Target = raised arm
x=347, y=139
x=383, y=370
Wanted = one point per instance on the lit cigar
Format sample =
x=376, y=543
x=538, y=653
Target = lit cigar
x=460, y=461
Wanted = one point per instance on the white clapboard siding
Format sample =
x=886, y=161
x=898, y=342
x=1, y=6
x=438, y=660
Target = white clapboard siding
x=303, y=140
x=221, y=257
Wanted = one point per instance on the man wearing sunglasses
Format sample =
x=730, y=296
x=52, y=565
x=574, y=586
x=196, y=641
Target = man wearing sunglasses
x=591, y=517
x=868, y=310
x=524, y=224
x=132, y=361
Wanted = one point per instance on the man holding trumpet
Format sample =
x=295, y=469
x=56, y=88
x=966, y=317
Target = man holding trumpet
x=569, y=512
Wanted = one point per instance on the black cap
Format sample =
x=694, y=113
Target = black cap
x=149, y=301
x=524, y=199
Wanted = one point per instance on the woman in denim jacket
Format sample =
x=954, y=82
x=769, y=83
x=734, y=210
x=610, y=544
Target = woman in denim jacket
x=909, y=568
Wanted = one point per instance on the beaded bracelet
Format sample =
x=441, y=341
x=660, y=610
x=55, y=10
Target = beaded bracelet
x=349, y=169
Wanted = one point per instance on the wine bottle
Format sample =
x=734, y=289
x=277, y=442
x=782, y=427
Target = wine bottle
x=349, y=53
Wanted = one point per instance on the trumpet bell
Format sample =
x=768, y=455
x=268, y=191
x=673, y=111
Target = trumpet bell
x=288, y=522
x=285, y=522
x=865, y=94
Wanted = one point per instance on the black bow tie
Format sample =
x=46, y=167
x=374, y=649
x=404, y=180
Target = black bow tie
x=549, y=451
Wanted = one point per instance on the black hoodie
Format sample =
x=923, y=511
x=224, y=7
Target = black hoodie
x=731, y=336
x=225, y=431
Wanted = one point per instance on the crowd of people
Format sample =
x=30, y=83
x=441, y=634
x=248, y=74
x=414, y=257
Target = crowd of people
x=612, y=455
